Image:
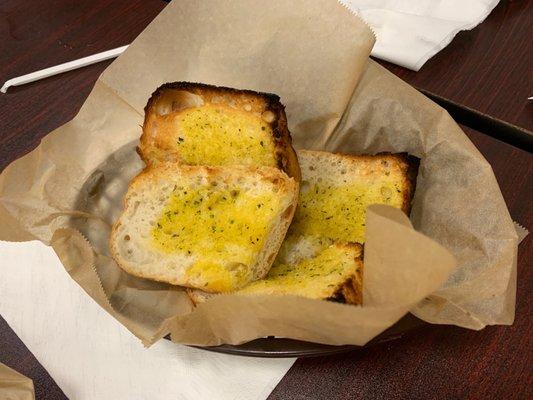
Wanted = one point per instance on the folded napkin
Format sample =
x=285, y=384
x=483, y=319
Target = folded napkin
x=410, y=32
x=92, y=356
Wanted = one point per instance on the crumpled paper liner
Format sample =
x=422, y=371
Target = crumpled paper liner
x=15, y=386
x=69, y=190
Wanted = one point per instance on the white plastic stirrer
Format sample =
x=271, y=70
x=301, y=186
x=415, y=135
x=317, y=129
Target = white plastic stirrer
x=59, y=69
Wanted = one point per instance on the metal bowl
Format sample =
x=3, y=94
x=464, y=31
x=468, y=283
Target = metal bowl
x=271, y=347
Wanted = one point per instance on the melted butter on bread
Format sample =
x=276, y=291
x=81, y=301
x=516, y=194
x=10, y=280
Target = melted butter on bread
x=327, y=210
x=215, y=134
x=320, y=277
x=213, y=228
x=216, y=224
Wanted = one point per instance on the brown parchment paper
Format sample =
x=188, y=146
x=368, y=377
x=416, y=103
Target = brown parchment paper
x=68, y=191
x=15, y=386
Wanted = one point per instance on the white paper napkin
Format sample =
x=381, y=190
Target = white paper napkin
x=410, y=32
x=91, y=356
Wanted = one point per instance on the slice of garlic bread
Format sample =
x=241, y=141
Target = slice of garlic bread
x=335, y=191
x=335, y=274
x=200, y=124
x=215, y=228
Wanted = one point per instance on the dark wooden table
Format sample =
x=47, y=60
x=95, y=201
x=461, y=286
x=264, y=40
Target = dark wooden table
x=485, y=69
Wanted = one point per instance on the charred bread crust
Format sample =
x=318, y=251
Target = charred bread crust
x=286, y=156
x=202, y=88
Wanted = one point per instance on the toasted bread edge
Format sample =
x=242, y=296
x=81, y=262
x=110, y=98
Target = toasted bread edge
x=286, y=156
